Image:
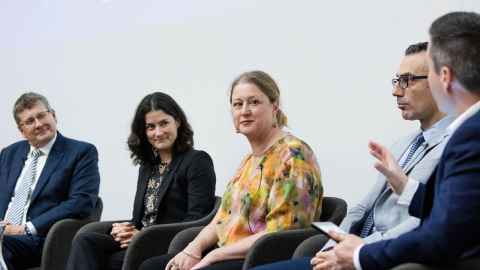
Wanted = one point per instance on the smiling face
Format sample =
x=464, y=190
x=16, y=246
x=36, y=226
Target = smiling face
x=161, y=130
x=416, y=101
x=37, y=124
x=253, y=113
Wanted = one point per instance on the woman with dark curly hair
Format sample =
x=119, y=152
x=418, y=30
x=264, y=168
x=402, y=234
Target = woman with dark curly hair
x=176, y=183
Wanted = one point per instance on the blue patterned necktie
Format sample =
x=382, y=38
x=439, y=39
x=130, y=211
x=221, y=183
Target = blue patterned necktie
x=15, y=215
x=369, y=221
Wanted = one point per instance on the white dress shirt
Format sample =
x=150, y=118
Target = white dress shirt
x=40, y=165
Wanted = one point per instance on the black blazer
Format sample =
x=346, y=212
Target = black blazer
x=187, y=191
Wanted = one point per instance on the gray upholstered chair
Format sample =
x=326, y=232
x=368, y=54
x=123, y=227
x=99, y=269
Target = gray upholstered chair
x=59, y=238
x=151, y=241
x=274, y=246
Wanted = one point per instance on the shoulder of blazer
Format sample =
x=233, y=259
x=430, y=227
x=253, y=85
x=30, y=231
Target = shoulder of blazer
x=67, y=144
x=18, y=147
x=186, y=158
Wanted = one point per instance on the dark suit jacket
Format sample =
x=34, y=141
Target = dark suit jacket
x=187, y=191
x=67, y=187
x=448, y=206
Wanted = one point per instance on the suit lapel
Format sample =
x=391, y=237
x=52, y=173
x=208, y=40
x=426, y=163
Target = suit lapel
x=400, y=150
x=138, y=205
x=17, y=166
x=418, y=157
x=53, y=160
x=169, y=176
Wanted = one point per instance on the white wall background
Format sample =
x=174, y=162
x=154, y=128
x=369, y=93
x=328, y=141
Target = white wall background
x=96, y=59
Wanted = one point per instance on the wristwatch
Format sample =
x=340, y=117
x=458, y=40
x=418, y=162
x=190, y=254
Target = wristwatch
x=27, y=230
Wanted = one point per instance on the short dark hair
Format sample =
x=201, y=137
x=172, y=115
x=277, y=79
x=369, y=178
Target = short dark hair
x=140, y=147
x=416, y=48
x=27, y=101
x=455, y=43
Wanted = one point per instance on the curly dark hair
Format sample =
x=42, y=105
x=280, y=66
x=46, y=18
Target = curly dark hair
x=140, y=147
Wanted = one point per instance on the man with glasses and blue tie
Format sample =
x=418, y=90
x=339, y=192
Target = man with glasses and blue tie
x=43, y=179
x=382, y=214
x=448, y=235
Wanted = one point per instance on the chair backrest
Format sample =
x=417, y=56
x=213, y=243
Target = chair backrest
x=333, y=209
x=206, y=219
x=97, y=211
x=58, y=240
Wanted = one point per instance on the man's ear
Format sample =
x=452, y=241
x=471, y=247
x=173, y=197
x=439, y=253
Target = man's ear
x=54, y=115
x=446, y=79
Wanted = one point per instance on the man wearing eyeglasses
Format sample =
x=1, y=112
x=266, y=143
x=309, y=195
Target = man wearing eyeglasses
x=448, y=236
x=382, y=214
x=43, y=179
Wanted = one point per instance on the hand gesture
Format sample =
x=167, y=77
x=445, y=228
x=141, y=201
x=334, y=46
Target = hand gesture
x=388, y=166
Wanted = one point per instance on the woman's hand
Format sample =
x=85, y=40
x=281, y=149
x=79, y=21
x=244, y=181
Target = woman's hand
x=123, y=233
x=126, y=237
x=117, y=228
x=213, y=256
x=185, y=260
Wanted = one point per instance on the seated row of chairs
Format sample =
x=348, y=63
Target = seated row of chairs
x=172, y=238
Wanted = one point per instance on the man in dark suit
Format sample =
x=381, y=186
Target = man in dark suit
x=448, y=204
x=43, y=179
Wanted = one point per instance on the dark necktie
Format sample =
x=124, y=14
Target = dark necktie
x=369, y=221
x=15, y=215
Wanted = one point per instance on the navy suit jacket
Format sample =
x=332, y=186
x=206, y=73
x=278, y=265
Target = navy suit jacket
x=67, y=187
x=448, y=206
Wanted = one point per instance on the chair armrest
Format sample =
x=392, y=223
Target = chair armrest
x=58, y=243
x=275, y=247
x=310, y=246
x=103, y=227
x=152, y=241
x=155, y=240
x=182, y=239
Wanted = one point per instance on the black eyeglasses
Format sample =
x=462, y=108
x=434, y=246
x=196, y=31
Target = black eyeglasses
x=31, y=120
x=404, y=79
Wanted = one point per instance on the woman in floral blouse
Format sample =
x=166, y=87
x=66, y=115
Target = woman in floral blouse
x=277, y=186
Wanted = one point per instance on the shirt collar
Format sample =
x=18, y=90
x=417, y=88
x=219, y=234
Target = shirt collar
x=464, y=117
x=46, y=148
x=437, y=131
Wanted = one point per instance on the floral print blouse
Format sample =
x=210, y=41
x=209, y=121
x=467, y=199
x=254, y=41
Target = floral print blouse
x=279, y=190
